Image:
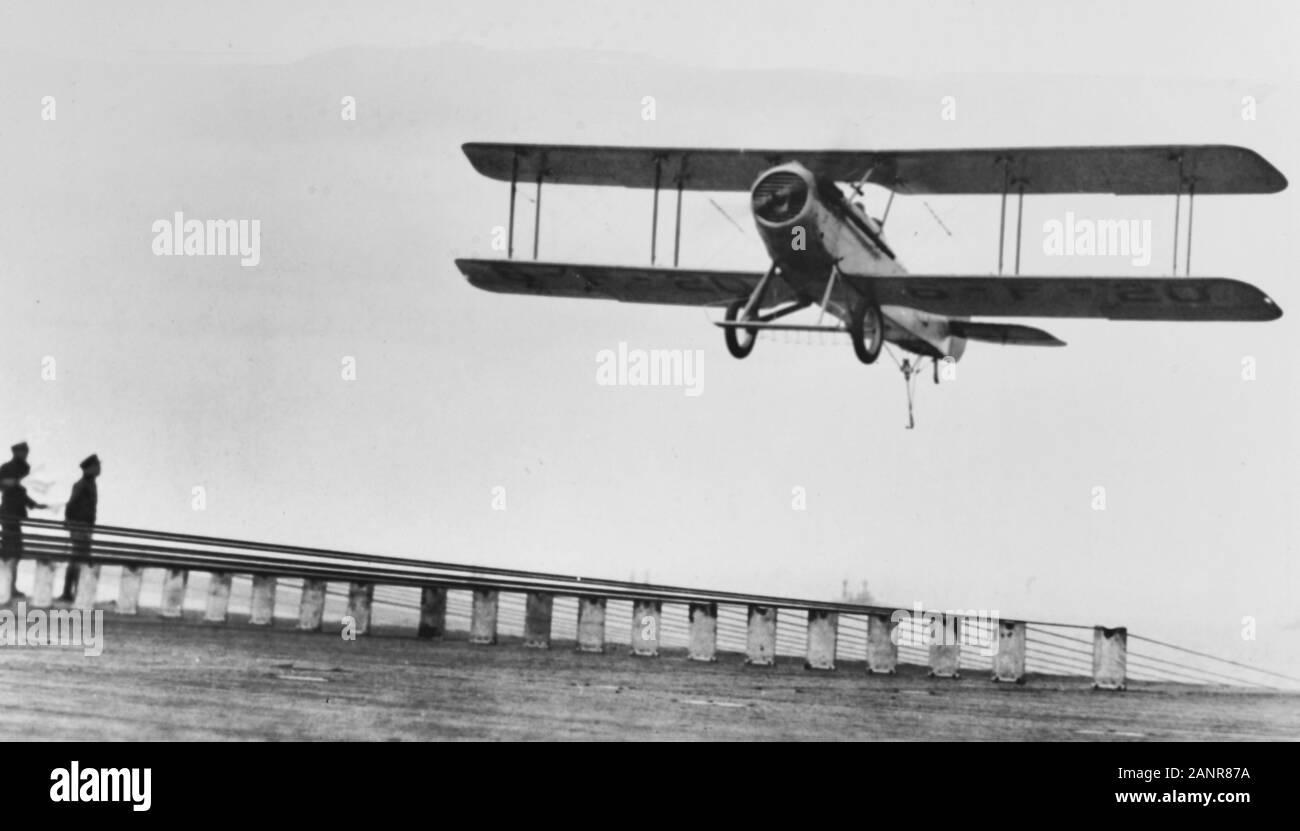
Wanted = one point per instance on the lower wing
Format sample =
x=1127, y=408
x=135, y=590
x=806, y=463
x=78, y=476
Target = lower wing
x=1110, y=298
x=672, y=286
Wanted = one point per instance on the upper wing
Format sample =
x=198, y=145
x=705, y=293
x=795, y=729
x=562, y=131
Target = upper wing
x=675, y=286
x=1113, y=298
x=1159, y=169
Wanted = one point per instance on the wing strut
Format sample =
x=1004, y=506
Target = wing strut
x=654, y=214
x=537, y=213
x=1002, y=223
x=1190, y=183
x=1178, y=203
x=1007, y=182
x=514, y=180
x=1020, y=218
x=677, y=233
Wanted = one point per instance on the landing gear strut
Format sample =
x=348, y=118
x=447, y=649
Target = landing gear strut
x=744, y=311
x=740, y=338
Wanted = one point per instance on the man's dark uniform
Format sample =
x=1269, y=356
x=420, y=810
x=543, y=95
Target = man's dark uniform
x=13, y=507
x=14, y=503
x=80, y=516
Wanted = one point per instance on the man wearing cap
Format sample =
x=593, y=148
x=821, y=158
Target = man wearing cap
x=79, y=514
x=16, y=468
x=14, y=503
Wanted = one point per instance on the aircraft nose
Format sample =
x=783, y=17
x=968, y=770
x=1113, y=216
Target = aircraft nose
x=779, y=196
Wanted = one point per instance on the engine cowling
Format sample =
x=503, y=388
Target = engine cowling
x=780, y=196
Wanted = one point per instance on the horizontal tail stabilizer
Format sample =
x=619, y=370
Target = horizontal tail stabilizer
x=778, y=327
x=1007, y=334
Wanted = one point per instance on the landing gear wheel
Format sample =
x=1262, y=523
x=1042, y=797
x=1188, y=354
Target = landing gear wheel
x=739, y=346
x=867, y=314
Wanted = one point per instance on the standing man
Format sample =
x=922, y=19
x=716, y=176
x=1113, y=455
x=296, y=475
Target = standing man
x=16, y=468
x=80, y=517
x=13, y=508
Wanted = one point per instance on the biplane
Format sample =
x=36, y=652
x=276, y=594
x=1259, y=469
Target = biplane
x=826, y=249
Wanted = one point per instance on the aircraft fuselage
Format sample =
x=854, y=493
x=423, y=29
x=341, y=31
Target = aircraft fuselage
x=809, y=229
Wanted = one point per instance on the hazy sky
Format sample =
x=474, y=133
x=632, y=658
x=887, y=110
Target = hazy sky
x=197, y=372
